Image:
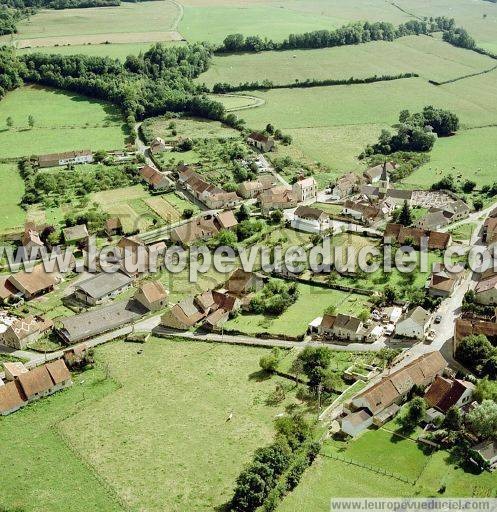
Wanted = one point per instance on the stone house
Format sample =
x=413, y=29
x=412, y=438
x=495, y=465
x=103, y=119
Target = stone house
x=310, y=220
x=260, y=141
x=414, y=324
x=486, y=291
x=68, y=158
x=356, y=422
x=445, y=393
x=305, y=190
x=152, y=295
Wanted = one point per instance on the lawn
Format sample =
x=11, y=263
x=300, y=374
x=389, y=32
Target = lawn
x=463, y=232
x=429, y=57
x=468, y=155
x=126, y=23
x=294, y=321
x=171, y=409
x=63, y=122
x=11, y=214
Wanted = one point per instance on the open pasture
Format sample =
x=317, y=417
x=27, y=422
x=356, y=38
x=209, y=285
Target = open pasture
x=11, y=214
x=171, y=410
x=429, y=57
x=126, y=23
x=63, y=122
x=469, y=155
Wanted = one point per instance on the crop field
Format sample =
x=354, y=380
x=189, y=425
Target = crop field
x=11, y=214
x=127, y=23
x=63, y=122
x=468, y=155
x=163, y=208
x=193, y=128
x=200, y=454
x=294, y=321
x=429, y=57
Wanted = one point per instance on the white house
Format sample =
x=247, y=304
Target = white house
x=310, y=220
x=414, y=324
x=305, y=190
x=356, y=422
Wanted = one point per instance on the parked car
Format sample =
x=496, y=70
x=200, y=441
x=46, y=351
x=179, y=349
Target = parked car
x=438, y=319
x=431, y=336
x=389, y=329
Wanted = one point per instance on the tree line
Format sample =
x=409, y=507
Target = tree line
x=352, y=33
x=224, y=87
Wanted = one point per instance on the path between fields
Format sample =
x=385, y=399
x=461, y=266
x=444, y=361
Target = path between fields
x=177, y=21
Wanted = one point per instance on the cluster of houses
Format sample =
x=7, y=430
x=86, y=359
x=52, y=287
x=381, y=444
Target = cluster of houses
x=212, y=308
x=23, y=386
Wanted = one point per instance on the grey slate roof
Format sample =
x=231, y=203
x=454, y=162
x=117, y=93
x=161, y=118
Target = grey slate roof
x=103, y=284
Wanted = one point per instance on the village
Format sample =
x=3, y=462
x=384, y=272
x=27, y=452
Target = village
x=432, y=332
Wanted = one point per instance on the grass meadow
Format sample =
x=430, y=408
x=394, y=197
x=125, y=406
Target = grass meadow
x=429, y=57
x=11, y=214
x=167, y=444
x=63, y=122
x=126, y=23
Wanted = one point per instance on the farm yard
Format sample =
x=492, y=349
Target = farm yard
x=63, y=122
x=127, y=23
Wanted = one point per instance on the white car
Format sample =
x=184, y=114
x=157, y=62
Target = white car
x=389, y=329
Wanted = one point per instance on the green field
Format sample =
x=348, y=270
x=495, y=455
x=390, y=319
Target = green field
x=426, y=56
x=11, y=214
x=127, y=23
x=167, y=446
x=294, y=321
x=63, y=122
x=193, y=128
x=115, y=51
x=468, y=155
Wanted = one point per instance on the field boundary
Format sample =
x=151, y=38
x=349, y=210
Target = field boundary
x=452, y=80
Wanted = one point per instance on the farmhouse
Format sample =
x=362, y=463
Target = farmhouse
x=75, y=234
x=277, y=198
x=433, y=220
x=446, y=393
x=30, y=240
x=182, y=315
x=414, y=324
x=36, y=383
x=486, y=291
x=490, y=231
x=260, y=141
x=157, y=146
x=467, y=327
x=379, y=172
x=102, y=287
x=32, y=284
x=310, y=220
x=363, y=212
x=346, y=327
x=370, y=192
x=152, y=295
x=442, y=282
x=67, y=158
x=399, y=233
x=7, y=290
x=23, y=331
x=13, y=370
x=225, y=220
x=221, y=200
x=356, y=422
x=202, y=228
x=399, y=197
x=11, y=398
x=89, y=324
x=250, y=189
x=395, y=384
x=241, y=283
x=345, y=186
x=155, y=179
x=305, y=190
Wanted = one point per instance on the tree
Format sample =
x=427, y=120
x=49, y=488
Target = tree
x=270, y=129
x=10, y=122
x=415, y=412
x=483, y=419
x=389, y=294
x=453, y=419
x=364, y=315
x=486, y=390
x=405, y=217
x=187, y=213
x=31, y=121
x=225, y=238
x=477, y=204
x=269, y=362
x=474, y=350
x=100, y=155
x=243, y=213
x=468, y=186
x=276, y=216
x=315, y=362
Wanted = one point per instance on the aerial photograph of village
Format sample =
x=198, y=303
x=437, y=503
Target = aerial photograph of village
x=247, y=255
